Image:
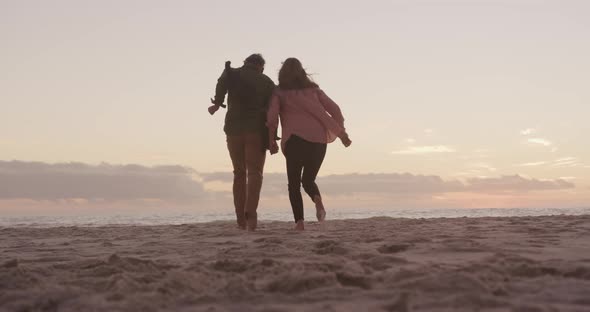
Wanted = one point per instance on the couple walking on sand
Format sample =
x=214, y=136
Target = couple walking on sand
x=309, y=120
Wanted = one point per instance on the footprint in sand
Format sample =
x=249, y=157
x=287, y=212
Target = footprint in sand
x=329, y=247
x=393, y=248
x=269, y=240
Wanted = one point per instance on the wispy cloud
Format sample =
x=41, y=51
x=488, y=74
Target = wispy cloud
x=532, y=164
x=428, y=131
x=565, y=159
x=482, y=166
x=410, y=141
x=561, y=162
x=540, y=141
x=528, y=131
x=421, y=150
x=566, y=162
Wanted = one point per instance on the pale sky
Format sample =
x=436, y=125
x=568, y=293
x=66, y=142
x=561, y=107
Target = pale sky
x=454, y=89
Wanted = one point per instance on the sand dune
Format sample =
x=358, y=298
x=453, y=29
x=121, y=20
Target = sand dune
x=378, y=264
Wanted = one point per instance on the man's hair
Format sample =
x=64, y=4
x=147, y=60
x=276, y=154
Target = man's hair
x=255, y=59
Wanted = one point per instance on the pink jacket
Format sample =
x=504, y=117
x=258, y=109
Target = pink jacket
x=308, y=113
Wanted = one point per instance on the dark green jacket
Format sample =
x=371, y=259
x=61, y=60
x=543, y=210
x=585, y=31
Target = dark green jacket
x=249, y=93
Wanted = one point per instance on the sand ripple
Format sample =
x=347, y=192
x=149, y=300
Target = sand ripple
x=378, y=264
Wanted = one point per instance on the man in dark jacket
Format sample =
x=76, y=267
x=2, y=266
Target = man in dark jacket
x=249, y=92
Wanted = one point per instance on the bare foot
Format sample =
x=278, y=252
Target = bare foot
x=299, y=226
x=320, y=212
x=252, y=224
x=241, y=223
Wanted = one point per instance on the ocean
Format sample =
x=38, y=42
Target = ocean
x=199, y=217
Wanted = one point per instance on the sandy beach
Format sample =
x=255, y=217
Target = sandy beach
x=377, y=264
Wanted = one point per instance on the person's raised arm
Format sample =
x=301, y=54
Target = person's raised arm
x=331, y=107
x=220, y=92
x=334, y=110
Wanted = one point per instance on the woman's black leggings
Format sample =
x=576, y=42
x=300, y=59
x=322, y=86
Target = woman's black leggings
x=307, y=157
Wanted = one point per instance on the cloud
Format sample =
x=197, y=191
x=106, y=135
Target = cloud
x=565, y=159
x=220, y=176
x=420, y=150
x=566, y=162
x=410, y=141
x=532, y=164
x=528, y=131
x=389, y=183
x=406, y=184
x=540, y=141
x=483, y=166
x=516, y=183
x=121, y=188
x=42, y=181
x=559, y=163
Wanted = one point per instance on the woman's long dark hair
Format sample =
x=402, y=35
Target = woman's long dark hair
x=292, y=76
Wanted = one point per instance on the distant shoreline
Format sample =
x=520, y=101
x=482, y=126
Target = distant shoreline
x=274, y=222
x=275, y=215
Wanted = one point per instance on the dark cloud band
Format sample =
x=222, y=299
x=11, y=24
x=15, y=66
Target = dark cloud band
x=41, y=181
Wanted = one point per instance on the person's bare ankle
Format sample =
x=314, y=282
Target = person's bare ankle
x=252, y=224
x=319, y=207
x=299, y=226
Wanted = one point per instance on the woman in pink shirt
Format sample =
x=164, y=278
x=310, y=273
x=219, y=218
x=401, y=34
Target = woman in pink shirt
x=309, y=120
